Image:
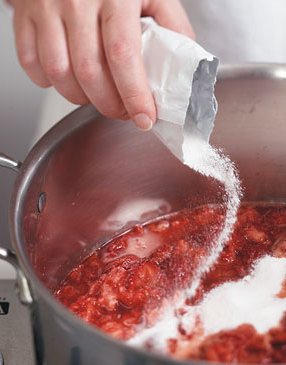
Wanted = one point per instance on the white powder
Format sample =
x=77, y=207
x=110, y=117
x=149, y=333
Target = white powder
x=251, y=300
x=202, y=157
x=205, y=159
x=135, y=210
x=165, y=328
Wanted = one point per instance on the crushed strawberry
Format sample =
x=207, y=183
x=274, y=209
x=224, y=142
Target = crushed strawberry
x=255, y=235
x=121, y=287
x=279, y=248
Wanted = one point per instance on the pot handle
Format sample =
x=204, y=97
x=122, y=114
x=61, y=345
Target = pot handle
x=22, y=285
x=9, y=162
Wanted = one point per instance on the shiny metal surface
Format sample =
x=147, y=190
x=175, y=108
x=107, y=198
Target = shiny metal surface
x=90, y=168
x=9, y=162
x=8, y=256
x=21, y=285
x=253, y=71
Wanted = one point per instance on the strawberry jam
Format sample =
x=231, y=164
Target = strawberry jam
x=121, y=287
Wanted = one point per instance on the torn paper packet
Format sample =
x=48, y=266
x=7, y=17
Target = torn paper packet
x=181, y=75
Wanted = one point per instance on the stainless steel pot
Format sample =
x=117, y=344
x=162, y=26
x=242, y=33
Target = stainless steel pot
x=86, y=167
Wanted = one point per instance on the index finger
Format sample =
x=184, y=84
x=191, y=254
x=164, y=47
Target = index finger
x=121, y=31
x=163, y=11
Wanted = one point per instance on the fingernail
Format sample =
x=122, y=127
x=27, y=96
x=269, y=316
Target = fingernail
x=143, y=122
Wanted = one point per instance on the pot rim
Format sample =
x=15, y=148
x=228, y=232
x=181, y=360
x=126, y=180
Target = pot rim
x=44, y=148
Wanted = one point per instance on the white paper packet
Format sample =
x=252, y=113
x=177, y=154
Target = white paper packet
x=181, y=75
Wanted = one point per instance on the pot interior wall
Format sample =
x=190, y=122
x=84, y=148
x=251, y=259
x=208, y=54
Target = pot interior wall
x=107, y=175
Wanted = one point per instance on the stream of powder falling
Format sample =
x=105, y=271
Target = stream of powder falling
x=210, y=162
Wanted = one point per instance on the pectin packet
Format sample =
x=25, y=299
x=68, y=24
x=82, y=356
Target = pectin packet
x=181, y=75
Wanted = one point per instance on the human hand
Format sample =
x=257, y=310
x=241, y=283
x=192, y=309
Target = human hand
x=90, y=50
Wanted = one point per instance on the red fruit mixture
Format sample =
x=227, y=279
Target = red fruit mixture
x=121, y=286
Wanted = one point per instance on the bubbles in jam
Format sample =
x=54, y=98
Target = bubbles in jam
x=121, y=287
